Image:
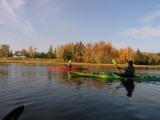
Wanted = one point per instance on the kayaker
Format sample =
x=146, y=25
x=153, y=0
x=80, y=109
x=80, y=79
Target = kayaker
x=128, y=71
x=69, y=64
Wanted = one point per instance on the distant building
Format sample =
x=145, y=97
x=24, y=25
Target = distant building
x=18, y=54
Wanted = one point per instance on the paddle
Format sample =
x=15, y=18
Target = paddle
x=115, y=62
x=14, y=114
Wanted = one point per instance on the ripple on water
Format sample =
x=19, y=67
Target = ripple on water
x=48, y=94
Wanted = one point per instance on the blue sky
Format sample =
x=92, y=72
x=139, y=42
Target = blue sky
x=41, y=23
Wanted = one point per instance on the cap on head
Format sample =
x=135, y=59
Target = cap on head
x=130, y=62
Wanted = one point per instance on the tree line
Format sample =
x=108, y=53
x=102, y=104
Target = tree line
x=99, y=52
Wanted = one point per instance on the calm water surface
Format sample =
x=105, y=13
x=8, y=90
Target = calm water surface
x=49, y=94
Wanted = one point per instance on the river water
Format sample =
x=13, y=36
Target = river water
x=49, y=94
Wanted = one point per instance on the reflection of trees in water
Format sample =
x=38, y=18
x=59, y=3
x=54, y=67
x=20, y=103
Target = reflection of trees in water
x=3, y=74
x=89, y=82
x=63, y=77
x=103, y=83
x=49, y=75
x=22, y=71
x=31, y=73
x=59, y=75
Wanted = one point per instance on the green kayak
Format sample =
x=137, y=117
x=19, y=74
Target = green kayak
x=113, y=76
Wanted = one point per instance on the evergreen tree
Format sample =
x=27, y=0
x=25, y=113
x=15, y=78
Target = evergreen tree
x=50, y=52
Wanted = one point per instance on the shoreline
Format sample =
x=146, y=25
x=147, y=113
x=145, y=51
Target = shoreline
x=53, y=62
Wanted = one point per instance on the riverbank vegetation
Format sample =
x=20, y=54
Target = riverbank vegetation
x=54, y=62
x=97, y=53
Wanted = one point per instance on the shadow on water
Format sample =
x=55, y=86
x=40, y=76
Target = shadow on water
x=129, y=85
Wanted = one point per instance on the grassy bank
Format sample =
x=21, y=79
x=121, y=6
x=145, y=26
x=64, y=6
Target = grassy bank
x=55, y=62
x=31, y=61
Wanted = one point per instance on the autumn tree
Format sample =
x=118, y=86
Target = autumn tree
x=31, y=52
x=79, y=49
x=1, y=53
x=5, y=50
x=102, y=52
x=94, y=52
x=115, y=53
x=68, y=51
x=59, y=52
x=126, y=54
x=23, y=52
x=158, y=59
x=110, y=52
x=87, y=54
x=98, y=52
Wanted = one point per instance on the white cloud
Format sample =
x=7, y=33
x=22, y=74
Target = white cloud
x=151, y=16
x=6, y=7
x=148, y=30
x=12, y=19
x=143, y=33
x=17, y=4
x=27, y=28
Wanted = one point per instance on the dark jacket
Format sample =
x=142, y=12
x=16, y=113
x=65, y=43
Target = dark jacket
x=130, y=70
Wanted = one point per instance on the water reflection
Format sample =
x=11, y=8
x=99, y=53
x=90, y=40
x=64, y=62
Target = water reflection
x=4, y=75
x=85, y=81
x=129, y=86
x=59, y=75
x=55, y=96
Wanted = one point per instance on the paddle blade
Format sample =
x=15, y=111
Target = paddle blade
x=114, y=61
x=14, y=114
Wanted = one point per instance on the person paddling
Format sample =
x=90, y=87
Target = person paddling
x=69, y=64
x=128, y=71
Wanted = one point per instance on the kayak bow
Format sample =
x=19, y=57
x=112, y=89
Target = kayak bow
x=65, y=68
